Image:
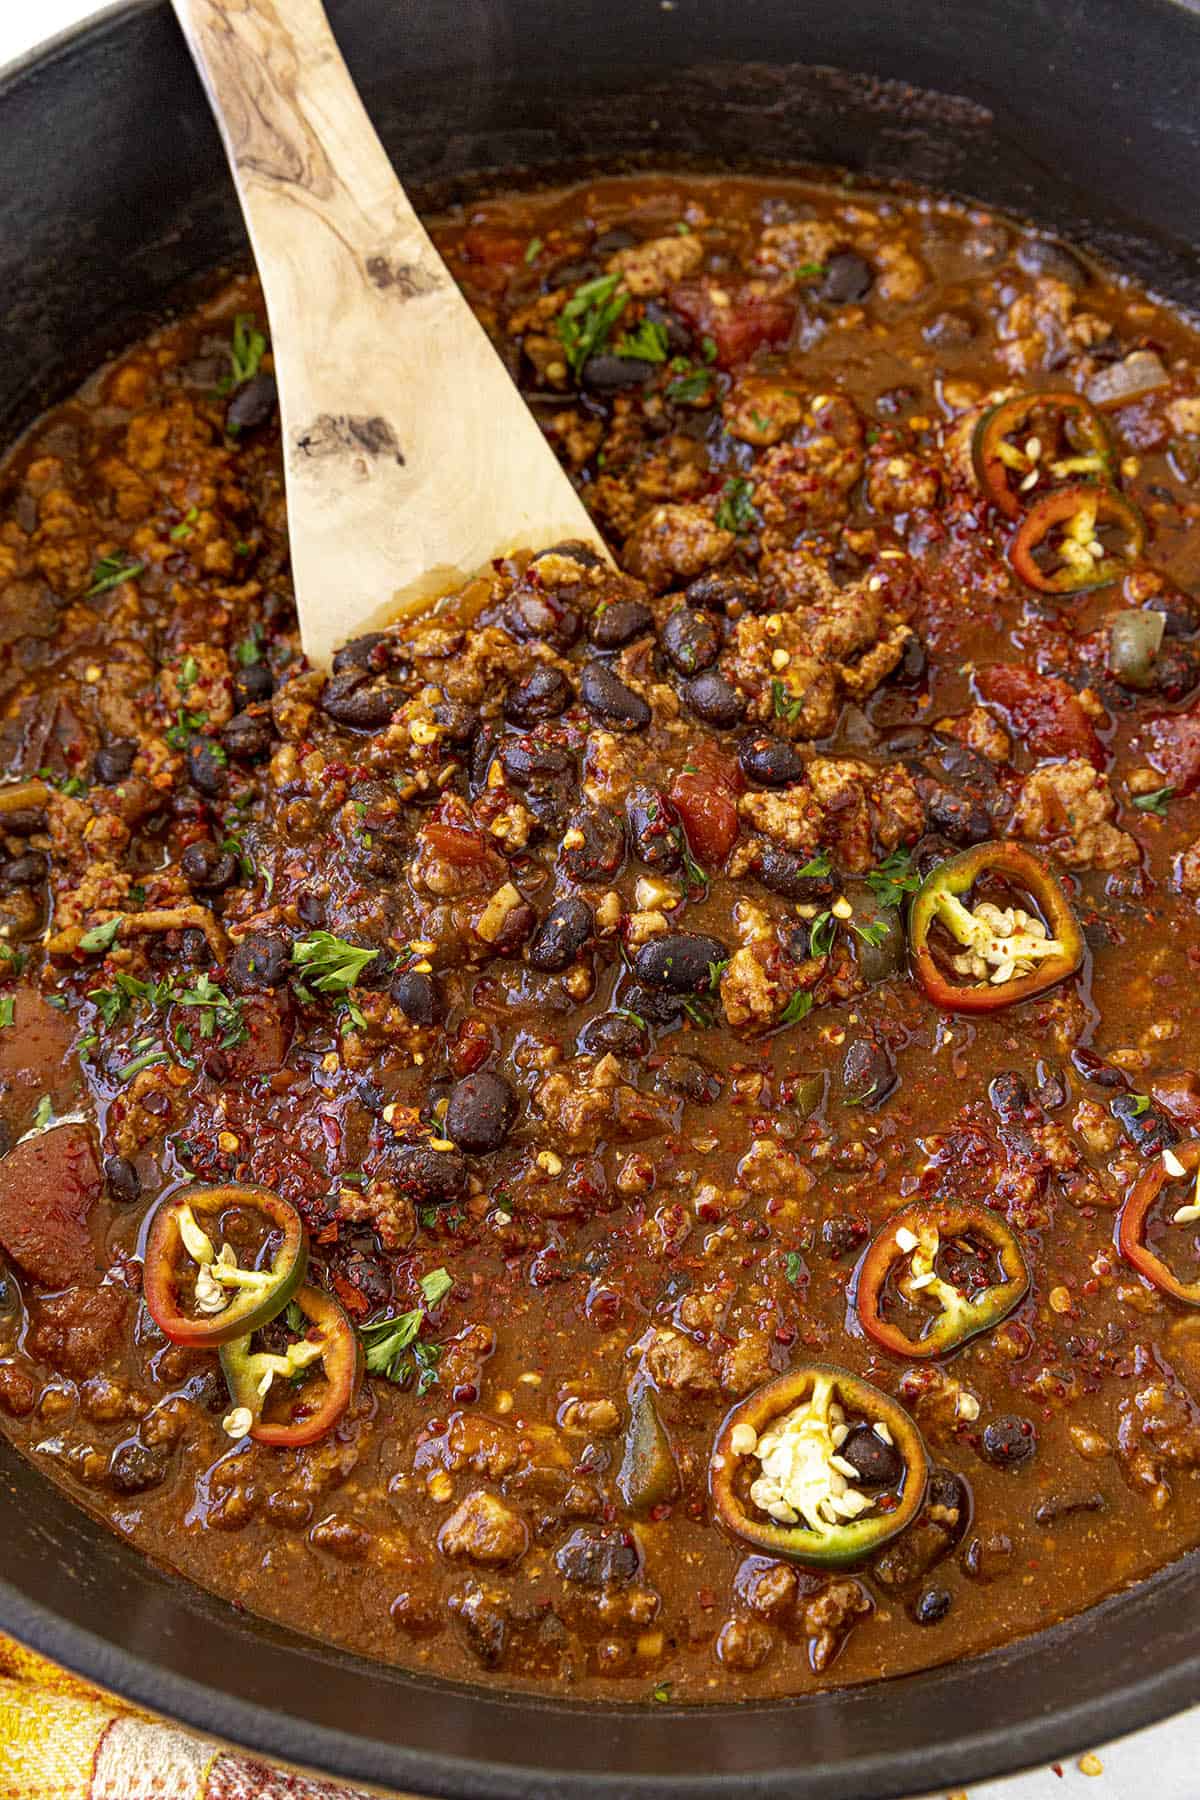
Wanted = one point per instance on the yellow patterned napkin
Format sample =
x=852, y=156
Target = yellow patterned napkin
x=61, y=1739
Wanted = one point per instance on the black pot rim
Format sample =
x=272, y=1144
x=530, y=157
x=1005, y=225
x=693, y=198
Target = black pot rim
x=1073, y=1708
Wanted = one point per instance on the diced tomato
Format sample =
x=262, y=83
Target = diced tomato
x=483, y=244
x=48, y=1187
x=471, y=1046
x=738, y=328
x=1042, y=711
x=705, y=796
x=457, y=844
x=1176, y=752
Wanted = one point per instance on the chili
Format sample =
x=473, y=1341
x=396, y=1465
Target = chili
x=1029, y=437
x=911, y=1242
x=1058, y=550
x=1008, y=954
x=1134, y=1218
x=779, y=1481
x=200, y=1294
x=326, y=1337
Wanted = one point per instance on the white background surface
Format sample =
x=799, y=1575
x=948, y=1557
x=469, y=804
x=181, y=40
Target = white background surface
x=1161, y=1764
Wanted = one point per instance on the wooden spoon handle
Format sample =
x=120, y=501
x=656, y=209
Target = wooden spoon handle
x=410, y=459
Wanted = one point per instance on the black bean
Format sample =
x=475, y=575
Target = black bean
x=725, y=593
x=845, y=1233
x=596, y=846
x=1176, y=671
x=616, y=1033
x=23, y=821
x=376, y=975
x=958, y=817
x=1181, y=611
x=781, y=871
x=459, y=722
x=427, y=1176
x=868, y=1072
x=610, y=701
x=528, y=759
x=369, y=652
x=135, y=1467
x=251, y=682
x=910, y=670
x=690, y=639
x=932, y=1605
x=714, y=700
x=519, y=921
x=483, y=749
x=655, y=829
x=948, y=330
x=1009, y=1441
x=681, y=962
x=616, y=239
x=599, y=1558
x=875, y=1463
x=543, y=694
x=688, y=1077
x=952, y=1497
x=313, y=907
x=617, y=622
x=561, y=935
x=125, y=1184
x=769, y=760
x=654, y=1005
x=112, y=762
x=351, y=697
x=1147, y=1128
x=848, y=278
x=248, y=736
x=29, y=870
x=418, y=997
x=206, y=865
x=1094, y=1068
x=206, y=765
x=605, y=374
x=481, y=1111
x=1009, y=1096
x=1040, y=256
x=930, y=851
x=576, y=551
x=544, y=616
x=252, y=405
x=1062, y=1504
x=261, y=961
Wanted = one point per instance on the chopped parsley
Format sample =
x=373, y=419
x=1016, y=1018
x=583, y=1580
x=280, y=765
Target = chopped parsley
x=532, y=249
x=861, y=1099
x=110, y=572
x=793, y=1266
x=1156, y=802
x=687, y=388
x=393, y=1347
x=737, y=511
x=101, y=937
x=587, y=319
x=696, y=1011
x=246, y=351
x=797, y=1008
x=715, y=972
x=806, y=270
x=818, y=867
x=784, y=704
x=8, y=1009
x=330, y=964
x=893, y=878
x=662, y=1693
x=648, y=342
x=1141, y=1104
x=179, y=735
x=821, y=934
x=249, y=650
x=44, y=1113
x=708, y=349
x=184, y=528
x=147, y=1060
x=873, y=934
x=189, y=670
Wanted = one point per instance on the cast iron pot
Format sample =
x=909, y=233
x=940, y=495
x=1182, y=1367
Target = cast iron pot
x=114, y=201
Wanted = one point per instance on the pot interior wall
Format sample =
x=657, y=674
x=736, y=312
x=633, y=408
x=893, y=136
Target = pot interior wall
x=113, y=197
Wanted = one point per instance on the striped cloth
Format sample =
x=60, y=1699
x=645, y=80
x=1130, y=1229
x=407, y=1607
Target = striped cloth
x=61, y=1739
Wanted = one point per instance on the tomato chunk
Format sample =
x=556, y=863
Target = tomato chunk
x=48, y=1187
x=1176, y=752
x=748, y=320
x=705, y=797
x=1043, y=712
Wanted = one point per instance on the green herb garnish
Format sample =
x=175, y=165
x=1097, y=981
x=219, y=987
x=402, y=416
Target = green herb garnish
x=43, y=1113
x=648, y=342
x=588, y=317
x=797, y=1008
x=893, y=878
x=184, y=528
x=821, y=934
x=8, y=1009
x=391, y=1345
x=532, y=248
x=110, y=572
x=737, y=511
x=245, y=353
x=331, y=965
x=793, y=1266
x=692, y=386
x=101, y=937
x=785, y=705
x=818, y=867
x=1156, y=802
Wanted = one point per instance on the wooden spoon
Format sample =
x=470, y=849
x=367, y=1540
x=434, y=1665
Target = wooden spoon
x=410, y=458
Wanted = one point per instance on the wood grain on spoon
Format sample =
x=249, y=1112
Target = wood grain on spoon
x=410, y=458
